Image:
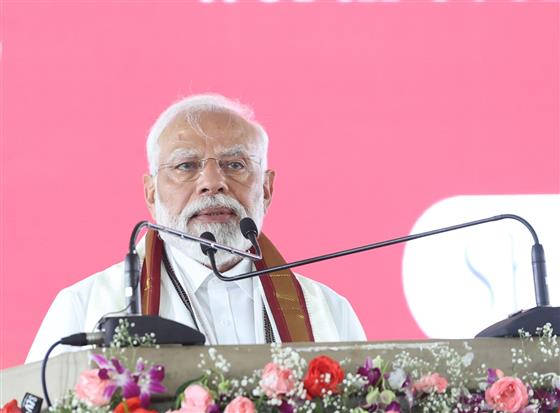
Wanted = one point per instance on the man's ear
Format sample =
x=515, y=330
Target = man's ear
x=150, y=193
x=268, y=187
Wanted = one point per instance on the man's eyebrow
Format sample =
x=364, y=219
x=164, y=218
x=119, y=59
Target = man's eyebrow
x=182, y=153
x=235, y=150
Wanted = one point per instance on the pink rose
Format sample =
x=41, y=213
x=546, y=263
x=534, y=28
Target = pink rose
x=240, y=405
x=197, y=399
x=91, y=388
x=276, y=381
x=430, y=383
x=508, y=394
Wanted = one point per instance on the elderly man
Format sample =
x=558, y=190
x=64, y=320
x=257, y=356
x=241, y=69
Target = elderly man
x=208, y=170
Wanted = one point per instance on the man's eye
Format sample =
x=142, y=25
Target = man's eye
x=187, y=166
x=235, y=165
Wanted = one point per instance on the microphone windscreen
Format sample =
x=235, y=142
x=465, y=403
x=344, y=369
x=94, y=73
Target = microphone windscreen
x=207, y=248
x=248, y=226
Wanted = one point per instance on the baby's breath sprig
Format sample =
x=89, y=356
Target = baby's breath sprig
x=548, y=343
x=122, y=337
x=69, y=403
x=549, y=349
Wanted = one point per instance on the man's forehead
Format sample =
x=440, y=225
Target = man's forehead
x=214, y=133
x=211, y=124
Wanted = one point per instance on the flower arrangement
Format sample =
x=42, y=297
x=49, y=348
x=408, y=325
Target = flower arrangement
x=288, y=384
x=116, y=385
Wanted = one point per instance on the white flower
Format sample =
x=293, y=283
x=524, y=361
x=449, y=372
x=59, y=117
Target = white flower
x=467, y=359
x=397, y=378
x=556, y=382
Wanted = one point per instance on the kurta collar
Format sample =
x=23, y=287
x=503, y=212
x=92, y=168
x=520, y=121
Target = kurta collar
x=199, y=274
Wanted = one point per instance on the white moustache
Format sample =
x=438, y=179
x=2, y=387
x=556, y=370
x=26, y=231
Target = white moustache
x=213, y=202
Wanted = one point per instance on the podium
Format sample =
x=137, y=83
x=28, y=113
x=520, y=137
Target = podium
x=181, y=362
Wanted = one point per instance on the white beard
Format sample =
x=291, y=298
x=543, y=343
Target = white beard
x=226, y=233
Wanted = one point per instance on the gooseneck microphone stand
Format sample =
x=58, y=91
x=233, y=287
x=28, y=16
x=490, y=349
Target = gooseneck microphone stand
x=529, y=320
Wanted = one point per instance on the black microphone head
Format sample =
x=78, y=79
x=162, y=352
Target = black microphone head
x=207, y=248
x=248, y=226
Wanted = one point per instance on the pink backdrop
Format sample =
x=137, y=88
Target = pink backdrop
x=375, y=112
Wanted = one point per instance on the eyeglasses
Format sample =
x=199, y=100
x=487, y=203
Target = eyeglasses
x=234, y=167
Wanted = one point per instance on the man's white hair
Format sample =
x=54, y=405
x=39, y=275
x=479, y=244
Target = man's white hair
x=191, y=107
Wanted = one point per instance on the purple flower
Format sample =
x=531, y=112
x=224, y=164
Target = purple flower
x=141, y=383
x=372, y=374
x=149, y=382
x=118, y=376
x=494, y=375
x=215, y=408
x=102, y=363
x=471, y=403
x=547, y=399
x=393, y=407
x=286, y=407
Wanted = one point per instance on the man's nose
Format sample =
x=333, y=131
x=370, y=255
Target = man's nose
x=211, y=179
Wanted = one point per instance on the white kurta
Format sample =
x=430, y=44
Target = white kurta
x=226, y=312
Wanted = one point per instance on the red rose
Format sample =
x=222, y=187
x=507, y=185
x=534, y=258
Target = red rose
x=133, y=406
x=11, y=407
x=324, y=374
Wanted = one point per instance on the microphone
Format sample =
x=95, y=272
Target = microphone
x=249, y=230
x=132, y=281
x=132, y=273
x=539, y=275
x=208, y=250
x=528, y=320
